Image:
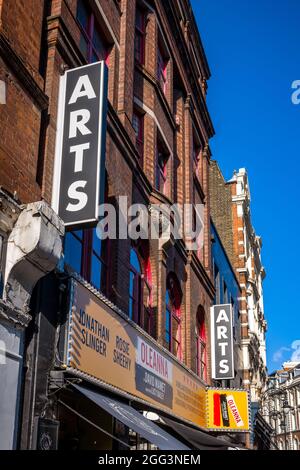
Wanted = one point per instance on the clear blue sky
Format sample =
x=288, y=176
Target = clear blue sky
x=252, y=47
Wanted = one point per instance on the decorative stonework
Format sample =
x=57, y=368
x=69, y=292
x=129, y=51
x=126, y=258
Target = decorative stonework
x=33, y=250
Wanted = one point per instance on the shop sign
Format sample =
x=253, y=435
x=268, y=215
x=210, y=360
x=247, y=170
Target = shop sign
x=80, y=144
x=103, y=344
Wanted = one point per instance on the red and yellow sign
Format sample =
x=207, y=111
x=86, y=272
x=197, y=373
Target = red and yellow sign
x=228, y=410
x=108, y=347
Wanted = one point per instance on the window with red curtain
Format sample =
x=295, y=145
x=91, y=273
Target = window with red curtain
x=173, y=316
x=139, y=41
x=138, y=125
x=92, y=43
x=162, y=63
x=140, y=288
x=201, y=349
x=89, y=256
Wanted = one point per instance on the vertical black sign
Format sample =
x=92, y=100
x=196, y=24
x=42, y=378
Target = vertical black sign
x=222, y=342
x=80, y=144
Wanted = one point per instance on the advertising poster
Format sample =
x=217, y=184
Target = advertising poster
x=228, y=410
x=107, y=347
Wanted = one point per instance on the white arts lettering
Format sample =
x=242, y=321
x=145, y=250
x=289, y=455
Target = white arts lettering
x=80, y=146
x=222, y=342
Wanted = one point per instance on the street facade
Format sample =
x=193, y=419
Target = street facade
x=108, y=338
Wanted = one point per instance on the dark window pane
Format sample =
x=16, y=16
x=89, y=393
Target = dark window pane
x=103, y=279
x=82, y=14
x=131, y=284
x=136, y=124
x=73, y=252
x=94, y=58
x=96, y=243
x=139, y=47
x=139, y=20
x=99, y=45
x=78, y=233
x=96, y=272
x=167, y=297
x=161, y=70
x=83, y=46
x=130, y=308
x=168, y=325
x=134, y=261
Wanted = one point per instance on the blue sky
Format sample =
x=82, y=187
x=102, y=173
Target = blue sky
x=253, y=52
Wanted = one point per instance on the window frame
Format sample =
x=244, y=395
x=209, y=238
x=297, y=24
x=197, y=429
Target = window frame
x=139, y=136
x=201, y=346
x=173, y=316
x=104, y=261
x=140, y=35
x=217, y=283
x=88, y=34
x=161, y=170
x=225, y=292
x=162, y=69
x=141, y=314
x=86, y=259
x=135, y=296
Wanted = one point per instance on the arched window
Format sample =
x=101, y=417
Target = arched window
x=140, y=286
x=201, y=340
x=173, y=316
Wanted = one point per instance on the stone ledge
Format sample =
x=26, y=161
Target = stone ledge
x=12, y=314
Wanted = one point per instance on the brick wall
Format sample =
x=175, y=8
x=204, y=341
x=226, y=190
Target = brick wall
x=221, y=208
x=20, y=116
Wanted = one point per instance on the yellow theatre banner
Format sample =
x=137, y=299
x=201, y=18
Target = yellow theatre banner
x=228, y=410
x=104, y=344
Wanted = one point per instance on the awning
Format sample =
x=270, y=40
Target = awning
x=133, y=419
x=198, y=439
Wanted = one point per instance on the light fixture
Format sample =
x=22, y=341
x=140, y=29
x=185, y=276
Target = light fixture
x=151, y=415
